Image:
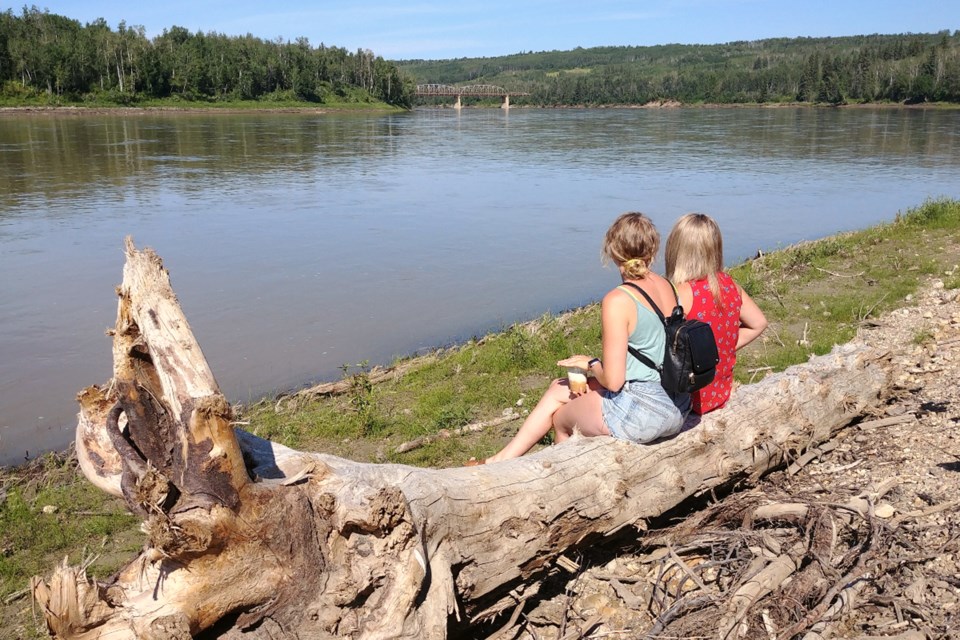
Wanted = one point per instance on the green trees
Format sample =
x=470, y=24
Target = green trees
x=57, y=58
x=898, y=68
x=44, y=53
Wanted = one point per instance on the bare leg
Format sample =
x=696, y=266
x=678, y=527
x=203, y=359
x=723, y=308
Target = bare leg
x=538, y=423
x=584, y=414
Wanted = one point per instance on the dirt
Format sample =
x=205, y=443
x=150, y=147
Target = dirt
x=866, y=542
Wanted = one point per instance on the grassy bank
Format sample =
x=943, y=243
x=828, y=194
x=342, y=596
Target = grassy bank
x=356, y=101
x=815, y=295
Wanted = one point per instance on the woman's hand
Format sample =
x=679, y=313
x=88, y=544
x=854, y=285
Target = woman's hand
x=582, y=362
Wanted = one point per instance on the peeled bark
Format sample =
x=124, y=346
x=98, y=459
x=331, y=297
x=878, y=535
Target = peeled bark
x=267, y=542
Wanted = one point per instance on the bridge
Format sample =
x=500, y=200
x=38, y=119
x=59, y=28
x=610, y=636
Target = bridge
x=482, y=90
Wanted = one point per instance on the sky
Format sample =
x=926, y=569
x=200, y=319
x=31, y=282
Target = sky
x=433, y=30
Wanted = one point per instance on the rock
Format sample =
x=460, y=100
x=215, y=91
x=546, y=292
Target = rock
x=884, y=510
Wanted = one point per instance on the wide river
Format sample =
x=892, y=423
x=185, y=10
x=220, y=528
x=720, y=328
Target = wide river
x=299, y=243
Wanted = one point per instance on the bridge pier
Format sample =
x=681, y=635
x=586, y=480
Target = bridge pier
x=505, y=104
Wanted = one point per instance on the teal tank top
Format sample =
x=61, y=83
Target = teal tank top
x=649, y=338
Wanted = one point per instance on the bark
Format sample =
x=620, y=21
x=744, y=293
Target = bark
x=262, y=541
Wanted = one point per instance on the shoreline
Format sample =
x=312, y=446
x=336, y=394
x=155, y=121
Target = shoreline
x=82, y=110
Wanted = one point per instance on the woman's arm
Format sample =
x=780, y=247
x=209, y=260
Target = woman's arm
x=616, y=314
x=752, y=320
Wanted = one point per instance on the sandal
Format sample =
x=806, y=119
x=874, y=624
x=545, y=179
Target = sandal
x=473, y=462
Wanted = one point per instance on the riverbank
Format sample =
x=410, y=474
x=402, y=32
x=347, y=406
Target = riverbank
x=815, y=294
x=439, y=409
x=81, y=110
x=307, y=109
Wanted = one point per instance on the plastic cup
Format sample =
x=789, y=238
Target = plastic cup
x=577, y=379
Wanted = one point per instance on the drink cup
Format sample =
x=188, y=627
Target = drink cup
x=577, y=378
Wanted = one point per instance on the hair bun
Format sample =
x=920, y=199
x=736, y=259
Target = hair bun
x=635, y=268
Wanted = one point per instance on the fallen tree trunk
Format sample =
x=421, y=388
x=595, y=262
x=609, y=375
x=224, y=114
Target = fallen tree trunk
x=266, y=542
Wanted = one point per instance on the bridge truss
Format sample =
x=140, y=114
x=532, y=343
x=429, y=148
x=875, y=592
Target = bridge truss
x=467, y=90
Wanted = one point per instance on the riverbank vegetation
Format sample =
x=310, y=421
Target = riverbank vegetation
x=48, y=59
x=815, y=295
x=904, y=68
x=465, y=400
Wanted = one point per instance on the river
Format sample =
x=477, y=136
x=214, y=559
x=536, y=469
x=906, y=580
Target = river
x=298, y=243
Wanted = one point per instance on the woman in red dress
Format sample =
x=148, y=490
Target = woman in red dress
x=694, y=260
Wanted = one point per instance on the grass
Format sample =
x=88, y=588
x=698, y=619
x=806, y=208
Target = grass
x=815, y=294
x=48, y=510
x=350, y=101
x=579, y=71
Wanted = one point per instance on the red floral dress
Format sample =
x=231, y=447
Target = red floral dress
x=725, y=323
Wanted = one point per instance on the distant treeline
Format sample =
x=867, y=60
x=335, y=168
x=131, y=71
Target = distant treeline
x=41, y=52
x=52, y=56
x=910, y=68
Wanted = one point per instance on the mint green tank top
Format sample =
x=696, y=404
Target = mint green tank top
x=649, y=338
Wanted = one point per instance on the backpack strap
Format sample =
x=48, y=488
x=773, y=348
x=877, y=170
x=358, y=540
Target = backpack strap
x=633, y=350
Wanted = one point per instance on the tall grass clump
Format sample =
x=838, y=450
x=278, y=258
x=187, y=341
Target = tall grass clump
x=935, y=213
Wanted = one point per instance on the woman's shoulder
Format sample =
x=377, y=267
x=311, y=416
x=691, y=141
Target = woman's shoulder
x=620, y=293
x=725, y=278
x=727, y=284
x=684, y=293
x=655, y=286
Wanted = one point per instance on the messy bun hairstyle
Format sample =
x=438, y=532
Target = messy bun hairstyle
x=632, y=243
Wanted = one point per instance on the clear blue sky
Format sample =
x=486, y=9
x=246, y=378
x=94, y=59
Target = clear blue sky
x=430, y=29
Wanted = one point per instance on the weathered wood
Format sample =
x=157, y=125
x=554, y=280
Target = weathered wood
x=278, y=543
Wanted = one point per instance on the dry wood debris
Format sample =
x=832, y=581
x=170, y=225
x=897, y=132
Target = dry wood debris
x=860, y=538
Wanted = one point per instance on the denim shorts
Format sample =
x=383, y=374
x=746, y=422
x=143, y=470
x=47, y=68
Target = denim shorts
x=640, y=412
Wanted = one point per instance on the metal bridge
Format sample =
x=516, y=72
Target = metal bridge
x=483, y=90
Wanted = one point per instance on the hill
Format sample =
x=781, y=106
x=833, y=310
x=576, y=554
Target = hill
x=911, y=68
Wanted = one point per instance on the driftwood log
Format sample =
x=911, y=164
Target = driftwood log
x=249, y=538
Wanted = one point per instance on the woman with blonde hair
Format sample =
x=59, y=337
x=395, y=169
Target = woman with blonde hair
x=694, y=260
x=624, y=398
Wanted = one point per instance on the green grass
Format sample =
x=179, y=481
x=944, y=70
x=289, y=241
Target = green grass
x=49, y=510
x=352, y=100
x=816, y=294
x=573, y=71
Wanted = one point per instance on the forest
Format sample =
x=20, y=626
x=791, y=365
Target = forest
x=56, y=60
x=52, y=56
x=905, y=68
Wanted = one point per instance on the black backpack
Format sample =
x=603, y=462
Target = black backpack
x=691, y=357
